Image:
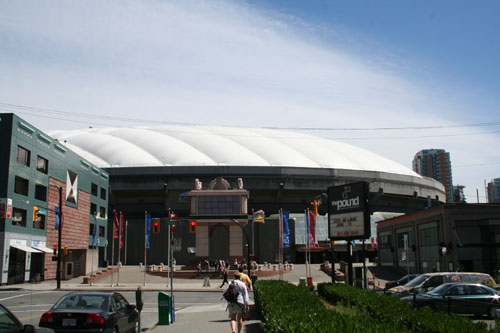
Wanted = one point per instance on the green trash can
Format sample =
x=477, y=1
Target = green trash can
x=164, y=308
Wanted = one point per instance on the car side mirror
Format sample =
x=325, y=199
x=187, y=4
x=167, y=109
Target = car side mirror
x=28, y=329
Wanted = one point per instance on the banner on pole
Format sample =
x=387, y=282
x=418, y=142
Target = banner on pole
x=122, y=222
x=286, y=229
x=312, y=229
x=148, y=230
x=308, y=240
x=116, y=225
x=259, y=216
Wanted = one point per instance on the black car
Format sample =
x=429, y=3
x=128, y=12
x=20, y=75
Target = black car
x=462, y=298
x=404, y=280
x=92, y=312
x=10, y=324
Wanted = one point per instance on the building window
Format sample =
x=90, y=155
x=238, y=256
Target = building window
x=23, y=156
x=40, y=192
x=103, y=193
x=93, y=189
x=102, y=230
x=42, y=165
x=19, y=217
x=21, y=186
x=93, y=209
x=102, y=212
x=91, y=229
x=219, y=205
x=40, y=223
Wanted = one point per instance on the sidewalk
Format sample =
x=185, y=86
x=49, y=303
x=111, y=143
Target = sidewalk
x=131, y=277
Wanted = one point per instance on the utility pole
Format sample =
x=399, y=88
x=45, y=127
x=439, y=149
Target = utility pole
x=59, y=232
x=246, y=236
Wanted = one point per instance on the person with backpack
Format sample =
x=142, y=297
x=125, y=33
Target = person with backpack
x=236, y=295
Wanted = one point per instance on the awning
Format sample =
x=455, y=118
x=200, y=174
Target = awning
x=43, y=249
x=26, y=248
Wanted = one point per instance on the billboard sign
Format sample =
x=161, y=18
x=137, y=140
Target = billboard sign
x=348, y=212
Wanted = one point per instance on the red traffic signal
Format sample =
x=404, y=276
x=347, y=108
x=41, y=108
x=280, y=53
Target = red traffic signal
x=55, y=249
x=156, y=227
x=192, y=226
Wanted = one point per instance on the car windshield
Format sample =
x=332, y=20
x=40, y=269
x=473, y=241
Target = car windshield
x=82, y=301
x=416, y=281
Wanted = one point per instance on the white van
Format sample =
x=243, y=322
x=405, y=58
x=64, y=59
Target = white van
x=426, y=282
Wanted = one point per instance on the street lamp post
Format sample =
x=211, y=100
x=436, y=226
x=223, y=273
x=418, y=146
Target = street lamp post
x=59, y=229
x=248, y=252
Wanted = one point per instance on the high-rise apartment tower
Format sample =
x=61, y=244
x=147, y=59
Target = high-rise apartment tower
x=435, y=163
x=494, y=191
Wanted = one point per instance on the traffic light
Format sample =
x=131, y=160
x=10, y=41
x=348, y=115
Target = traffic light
x=65, y=250
x=174, y=228
x=35, y=213
x=55, y=249
x=192, y=226
x=156, y=227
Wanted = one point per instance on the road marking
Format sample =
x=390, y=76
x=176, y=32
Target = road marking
x=203, y=308
x=30, y=317
x=21, y=295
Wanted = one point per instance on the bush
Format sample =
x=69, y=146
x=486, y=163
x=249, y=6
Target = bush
x=284, y=307
x=388, y=309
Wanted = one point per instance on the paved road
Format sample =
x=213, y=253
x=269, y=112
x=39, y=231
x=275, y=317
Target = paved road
x=198, y=308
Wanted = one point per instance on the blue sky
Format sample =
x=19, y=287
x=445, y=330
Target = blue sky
x=333, y=64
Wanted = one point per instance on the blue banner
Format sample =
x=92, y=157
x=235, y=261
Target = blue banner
x=286, y=230
x=57, y=218
x=148, y=228
x=95, y=230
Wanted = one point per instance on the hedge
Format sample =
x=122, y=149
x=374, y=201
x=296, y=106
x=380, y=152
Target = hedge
x=388, y=309
x=284, y=307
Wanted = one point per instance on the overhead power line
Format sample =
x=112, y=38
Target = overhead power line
x=59, y=115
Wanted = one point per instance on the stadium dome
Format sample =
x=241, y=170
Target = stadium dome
x=180, y=145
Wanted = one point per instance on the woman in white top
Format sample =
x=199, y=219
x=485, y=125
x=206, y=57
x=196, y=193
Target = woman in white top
x=237, y=310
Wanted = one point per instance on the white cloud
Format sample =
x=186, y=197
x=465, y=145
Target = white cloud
x=223, y=62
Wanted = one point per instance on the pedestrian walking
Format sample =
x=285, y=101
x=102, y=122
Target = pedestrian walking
x=254, y=278
x=198, y=268
x=224, y=274
x=237, y=309
x=245, y=278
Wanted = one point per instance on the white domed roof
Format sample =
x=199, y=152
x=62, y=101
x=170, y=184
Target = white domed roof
x=179, y=145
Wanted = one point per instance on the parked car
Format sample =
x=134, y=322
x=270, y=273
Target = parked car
x=10, y=324
x=402, y=281
x=462, y=298
x=92, y=312
x=426, y=282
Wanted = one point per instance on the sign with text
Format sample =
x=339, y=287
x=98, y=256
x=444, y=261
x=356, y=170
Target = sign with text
x=348, y=212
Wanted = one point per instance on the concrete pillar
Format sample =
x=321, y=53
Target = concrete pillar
x=235, y=241
x=202, y=241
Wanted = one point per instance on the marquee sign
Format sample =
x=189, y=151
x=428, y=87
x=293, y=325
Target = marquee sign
x=348, y=212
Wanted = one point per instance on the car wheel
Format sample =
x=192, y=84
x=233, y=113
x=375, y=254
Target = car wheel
x=491, y=312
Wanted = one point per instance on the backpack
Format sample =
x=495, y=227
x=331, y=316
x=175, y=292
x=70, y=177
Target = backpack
x=230, y=294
